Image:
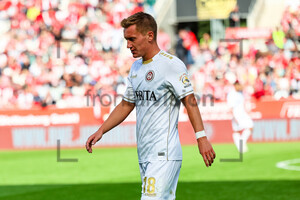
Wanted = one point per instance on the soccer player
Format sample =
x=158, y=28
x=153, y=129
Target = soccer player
x=157, y=84
x=242, y=123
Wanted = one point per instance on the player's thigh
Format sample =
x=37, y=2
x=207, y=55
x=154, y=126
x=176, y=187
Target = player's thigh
x=159, y=180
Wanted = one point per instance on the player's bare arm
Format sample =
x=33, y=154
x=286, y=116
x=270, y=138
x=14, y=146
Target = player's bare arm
x=117, y=116
x=204, y=145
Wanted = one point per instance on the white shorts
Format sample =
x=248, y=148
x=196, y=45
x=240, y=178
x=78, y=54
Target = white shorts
x=242, y=123
x=159, y=179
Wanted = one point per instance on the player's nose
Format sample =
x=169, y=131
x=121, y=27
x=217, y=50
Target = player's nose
x=129, y=45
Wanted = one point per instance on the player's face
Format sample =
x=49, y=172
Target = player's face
x=136, y=41
x=238, y=87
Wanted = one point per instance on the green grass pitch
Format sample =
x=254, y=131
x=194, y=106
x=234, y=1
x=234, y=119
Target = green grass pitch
x=113, y=174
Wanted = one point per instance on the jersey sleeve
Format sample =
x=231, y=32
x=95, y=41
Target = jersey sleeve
x=177, y=79
x=129, y=93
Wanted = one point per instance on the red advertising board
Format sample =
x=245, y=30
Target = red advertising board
x=29, y=129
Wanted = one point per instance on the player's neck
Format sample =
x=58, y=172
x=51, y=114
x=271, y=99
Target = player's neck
x=151, y=53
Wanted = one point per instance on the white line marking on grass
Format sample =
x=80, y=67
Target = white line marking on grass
x=287, y=164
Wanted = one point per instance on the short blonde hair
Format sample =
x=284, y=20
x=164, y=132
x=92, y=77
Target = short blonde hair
x=143, y=21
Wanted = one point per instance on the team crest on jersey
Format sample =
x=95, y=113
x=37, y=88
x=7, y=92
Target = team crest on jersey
x=149, y=75
x=185, y=80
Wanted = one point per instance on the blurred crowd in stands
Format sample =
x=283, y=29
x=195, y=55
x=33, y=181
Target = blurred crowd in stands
x=53, y=52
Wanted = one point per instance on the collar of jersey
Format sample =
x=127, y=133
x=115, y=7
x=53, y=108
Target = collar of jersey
x=151, y=59
x=147, y=61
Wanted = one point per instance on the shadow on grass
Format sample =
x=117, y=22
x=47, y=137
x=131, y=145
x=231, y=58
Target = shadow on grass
x=217, y=190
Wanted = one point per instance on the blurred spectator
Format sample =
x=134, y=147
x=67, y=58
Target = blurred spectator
x=278, y=37
x=234, y=17
x=186, y=44
x=205, y=41
x=290, y=46
x=180, y=48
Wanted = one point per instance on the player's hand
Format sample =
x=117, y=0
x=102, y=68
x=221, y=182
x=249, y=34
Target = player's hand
x=92, y=141
x=206, y=151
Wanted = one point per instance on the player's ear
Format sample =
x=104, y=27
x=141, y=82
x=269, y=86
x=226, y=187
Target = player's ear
x=150, y=36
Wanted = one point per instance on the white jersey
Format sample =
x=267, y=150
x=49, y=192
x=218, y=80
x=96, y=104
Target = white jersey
x=241, y=119
x=156, y=87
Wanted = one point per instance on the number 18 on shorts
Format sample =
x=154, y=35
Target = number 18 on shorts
x=159, y=179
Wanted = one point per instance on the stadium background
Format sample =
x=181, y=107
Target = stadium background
x=63, y=66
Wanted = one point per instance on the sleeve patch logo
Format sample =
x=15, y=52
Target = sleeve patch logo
x=185, y=80
x=149, y=75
